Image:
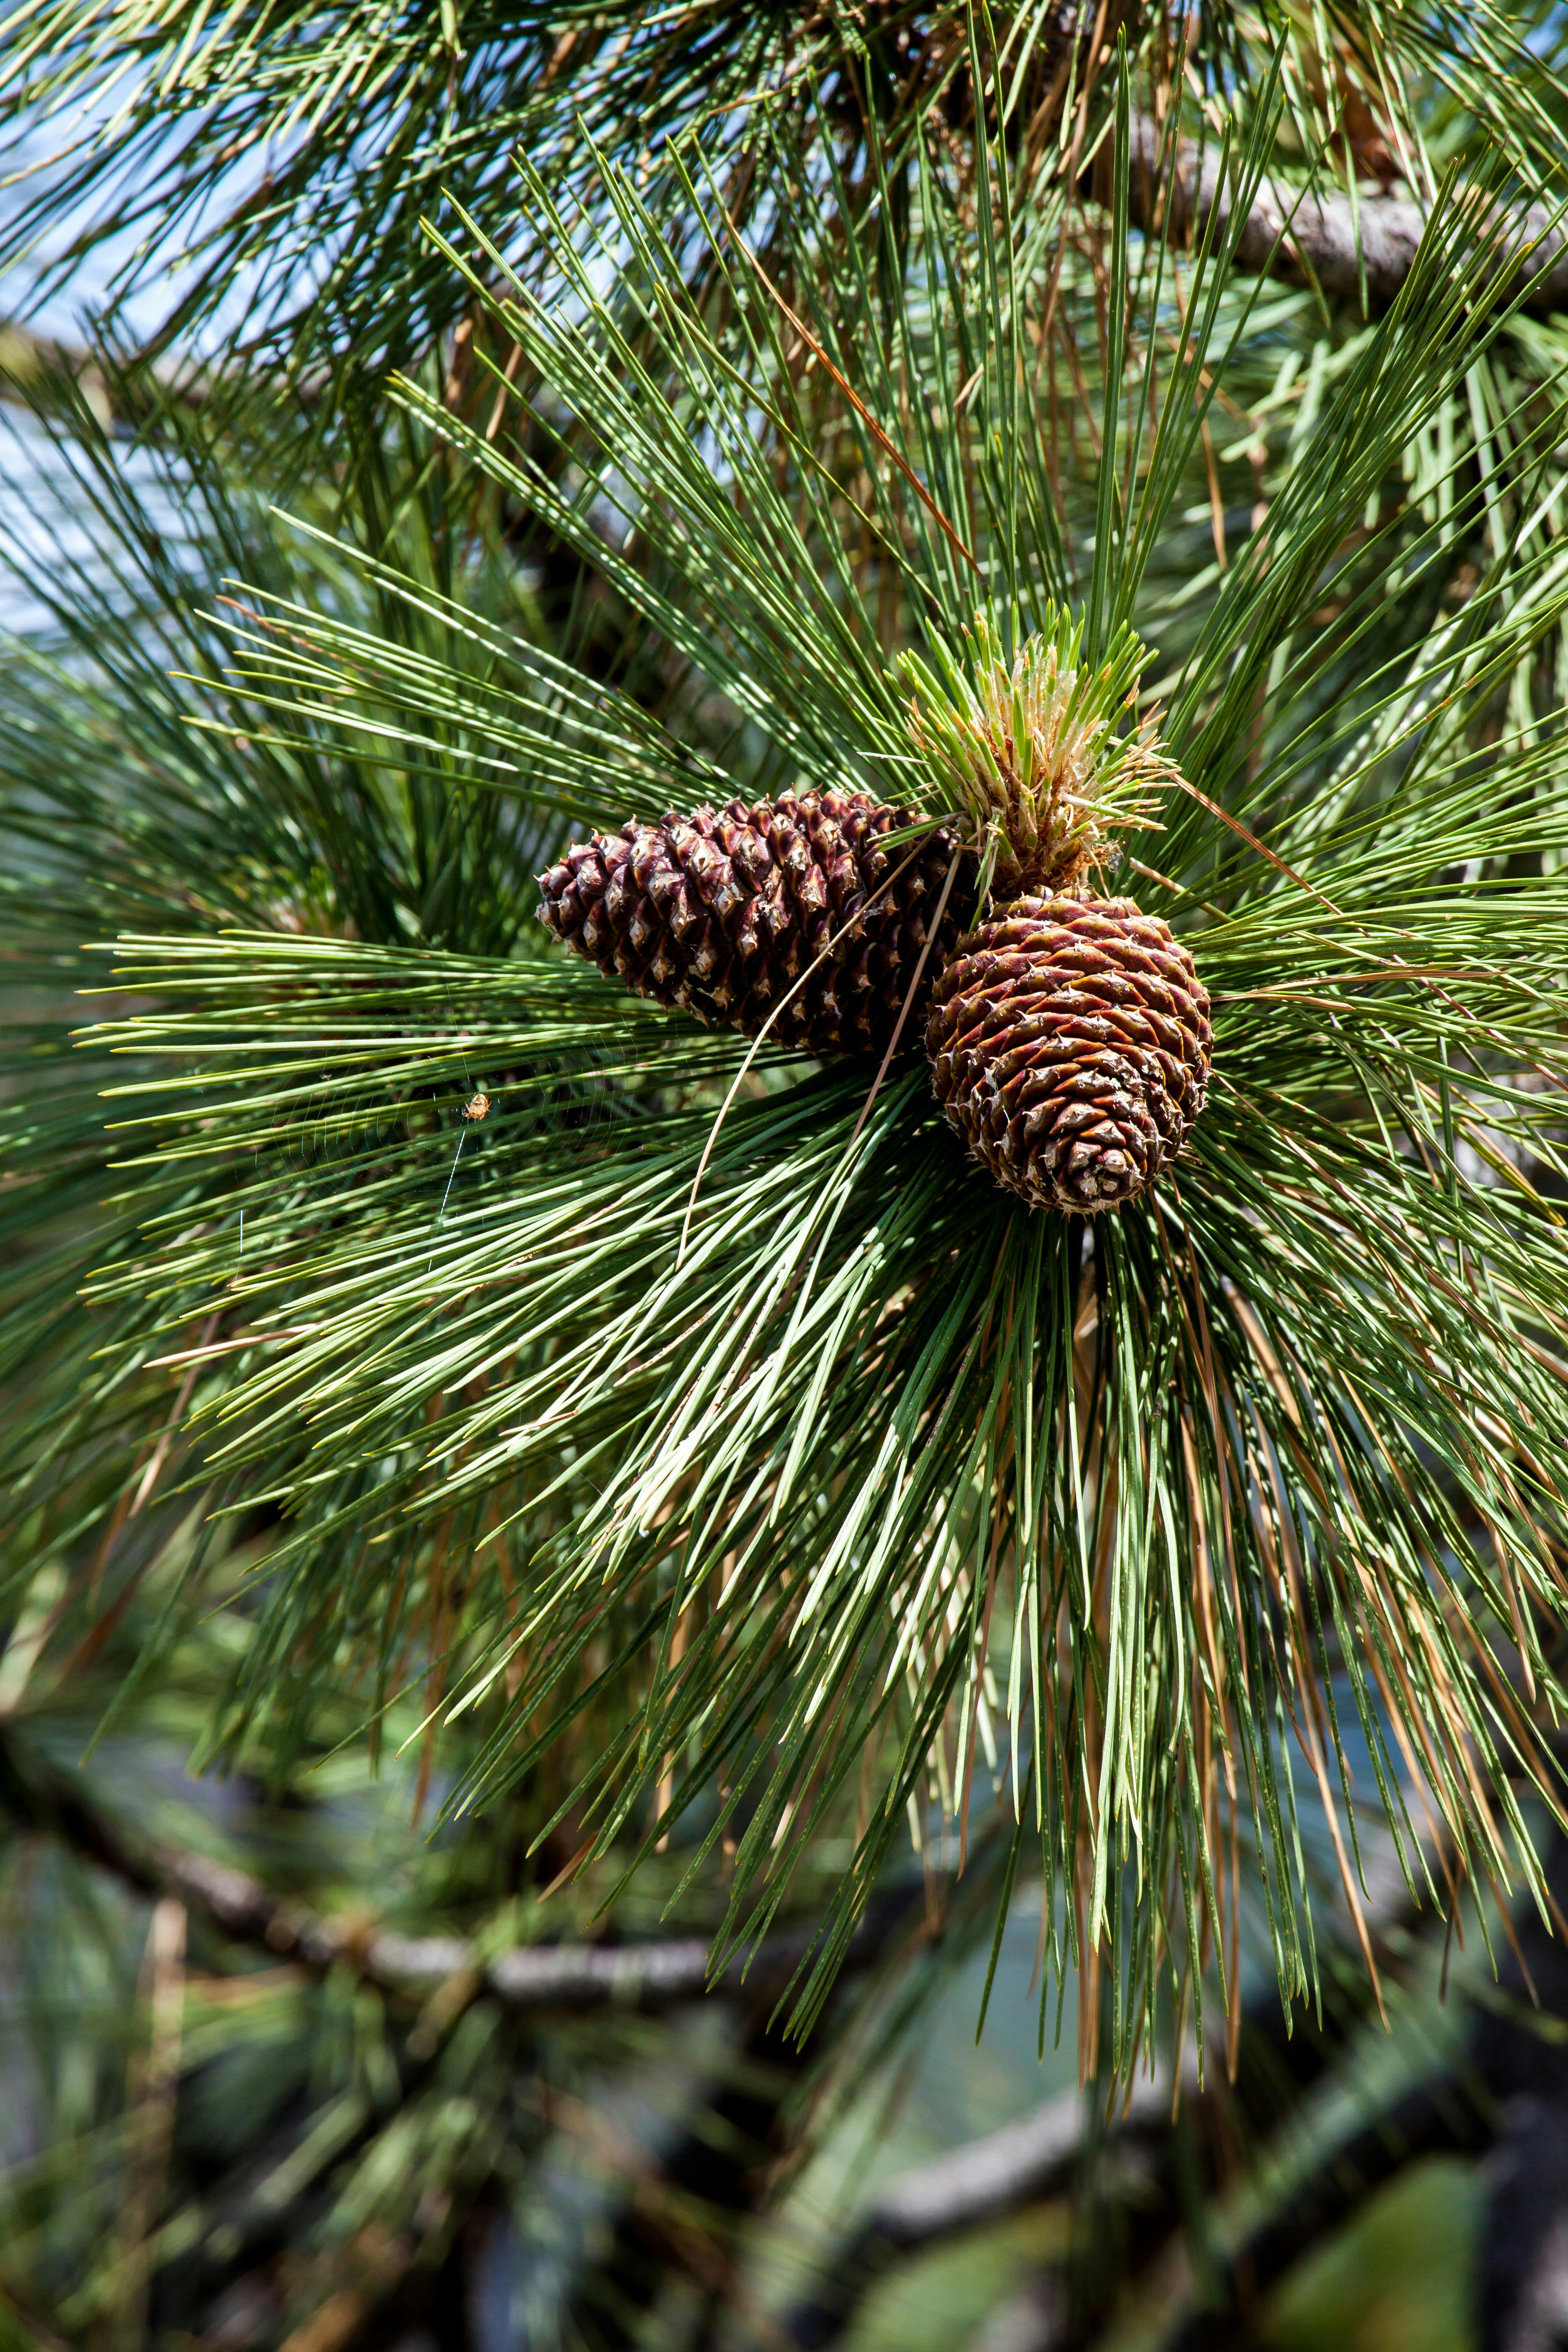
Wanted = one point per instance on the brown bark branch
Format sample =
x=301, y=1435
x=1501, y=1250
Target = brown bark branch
x=1315, y=237
x=1320, y=236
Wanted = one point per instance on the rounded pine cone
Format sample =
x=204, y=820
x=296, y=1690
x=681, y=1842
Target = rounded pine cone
x=1069, y=1044
x=720, y=914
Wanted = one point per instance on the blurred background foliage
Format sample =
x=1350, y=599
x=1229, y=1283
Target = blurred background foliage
x=287, y=2056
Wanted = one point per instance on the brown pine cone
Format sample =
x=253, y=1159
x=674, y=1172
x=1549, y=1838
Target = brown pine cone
x=1069, y=1044
x=719, y=915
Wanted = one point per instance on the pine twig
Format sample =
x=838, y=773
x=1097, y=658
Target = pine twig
x=981, y=2181
x=558, y=1977
x=1322, y=236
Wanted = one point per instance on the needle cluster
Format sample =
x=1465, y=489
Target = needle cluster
x=1041, y=748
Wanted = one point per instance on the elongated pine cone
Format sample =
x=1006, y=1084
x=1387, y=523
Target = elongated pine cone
x=720, y=914
x=1069, y=1044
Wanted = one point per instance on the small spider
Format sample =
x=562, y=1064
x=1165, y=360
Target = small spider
x=476, y=1108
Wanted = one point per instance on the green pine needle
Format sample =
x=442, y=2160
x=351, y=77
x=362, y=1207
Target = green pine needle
x=887, y=1502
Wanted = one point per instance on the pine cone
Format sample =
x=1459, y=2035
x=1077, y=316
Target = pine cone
x=1069, y=1044
x=720, y=914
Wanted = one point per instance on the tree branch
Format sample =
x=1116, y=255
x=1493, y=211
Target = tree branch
x=558, y=1977
x=1434, y=2118
x=1302, y=238
x=985, y=2180
x=1325, y=238
x=1054, y=2151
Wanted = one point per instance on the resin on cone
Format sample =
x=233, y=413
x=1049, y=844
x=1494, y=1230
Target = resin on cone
x=719, y=914
x=1069, y=1035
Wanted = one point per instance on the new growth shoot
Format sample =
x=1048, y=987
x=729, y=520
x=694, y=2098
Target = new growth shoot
x=1037, y=751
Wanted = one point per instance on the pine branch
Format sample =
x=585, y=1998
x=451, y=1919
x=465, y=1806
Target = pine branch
x=191, y=95
x=1040, y=2158
x=982, y=2182
x=598, y=1404
x=750, y=1511
x=1318, y=237
x=1044, y=2155
x=1519, y=2050
x=562, y=1978
x=1354, y=251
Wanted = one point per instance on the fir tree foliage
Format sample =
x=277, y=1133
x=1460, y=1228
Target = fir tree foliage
x=723, y=1443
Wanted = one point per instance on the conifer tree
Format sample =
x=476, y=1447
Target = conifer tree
x=804, y=460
